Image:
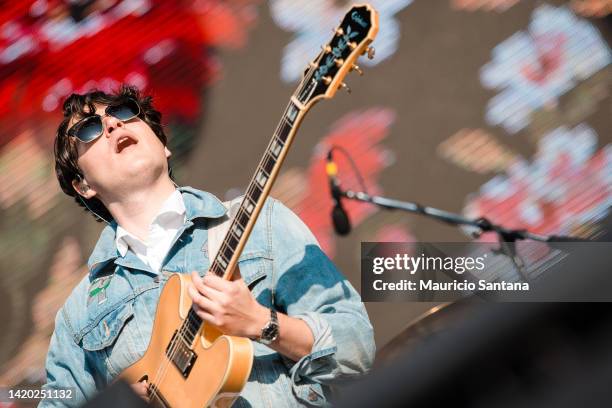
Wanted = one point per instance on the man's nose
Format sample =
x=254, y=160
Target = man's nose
x=111, y=123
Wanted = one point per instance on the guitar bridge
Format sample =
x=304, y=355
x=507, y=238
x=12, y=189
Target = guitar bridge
x=180, y=354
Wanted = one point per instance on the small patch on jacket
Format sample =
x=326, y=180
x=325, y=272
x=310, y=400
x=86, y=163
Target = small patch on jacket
x=97, y=289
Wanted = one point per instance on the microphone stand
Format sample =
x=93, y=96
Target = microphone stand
x=507, y=237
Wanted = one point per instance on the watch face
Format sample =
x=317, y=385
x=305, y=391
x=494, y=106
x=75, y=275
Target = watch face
x=270, y=332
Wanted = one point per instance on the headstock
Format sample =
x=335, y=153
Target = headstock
x=338, y=57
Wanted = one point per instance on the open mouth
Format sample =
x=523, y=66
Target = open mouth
x=123, y=142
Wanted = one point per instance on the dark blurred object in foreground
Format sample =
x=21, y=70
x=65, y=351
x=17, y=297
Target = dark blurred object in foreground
x=479, y=354
x=117, y=395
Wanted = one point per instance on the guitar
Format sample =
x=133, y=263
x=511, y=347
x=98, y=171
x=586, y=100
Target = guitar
x=192, y=364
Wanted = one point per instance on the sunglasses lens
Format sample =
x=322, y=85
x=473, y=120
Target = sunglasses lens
x=124, y=111
x=89, y=129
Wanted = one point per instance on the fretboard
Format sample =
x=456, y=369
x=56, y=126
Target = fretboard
x=256, y=193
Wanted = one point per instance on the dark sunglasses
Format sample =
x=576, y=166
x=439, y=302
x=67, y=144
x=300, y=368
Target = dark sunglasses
x=91, y=128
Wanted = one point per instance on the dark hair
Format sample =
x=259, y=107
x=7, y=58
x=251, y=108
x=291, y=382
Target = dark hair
x=66, y=153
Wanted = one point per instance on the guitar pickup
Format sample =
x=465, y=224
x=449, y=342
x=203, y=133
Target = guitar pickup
x=180, y=354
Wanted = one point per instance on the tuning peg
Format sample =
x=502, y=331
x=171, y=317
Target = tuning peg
x=370, y=51
x=338, y=31
x=327, y=80
x=327, y=48
x=355, y=67
x=339, y=62
x=345, y=87
x=352, y=45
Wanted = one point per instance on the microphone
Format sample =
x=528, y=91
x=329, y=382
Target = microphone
x=340, y=219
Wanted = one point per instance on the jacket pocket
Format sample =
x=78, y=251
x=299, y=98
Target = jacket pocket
x=115, y=343
x=105, y=332
x=255, y=268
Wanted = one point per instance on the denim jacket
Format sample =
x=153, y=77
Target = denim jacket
x=105, y=324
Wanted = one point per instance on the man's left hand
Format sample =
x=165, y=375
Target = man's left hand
x=229, y=305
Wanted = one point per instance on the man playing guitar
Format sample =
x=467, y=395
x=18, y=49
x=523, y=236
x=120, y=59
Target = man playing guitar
x=307, y=322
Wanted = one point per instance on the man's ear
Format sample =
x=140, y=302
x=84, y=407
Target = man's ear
x=168, y=152
x=83, y=189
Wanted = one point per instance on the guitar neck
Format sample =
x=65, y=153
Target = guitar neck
x=258, y=190
x=322, y=78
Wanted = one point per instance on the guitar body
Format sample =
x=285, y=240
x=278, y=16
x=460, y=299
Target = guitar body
x=221, y=367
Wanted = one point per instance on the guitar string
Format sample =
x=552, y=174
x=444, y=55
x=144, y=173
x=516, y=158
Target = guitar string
x=162, y=369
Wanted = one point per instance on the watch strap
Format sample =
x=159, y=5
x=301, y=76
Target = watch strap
x=269, y=332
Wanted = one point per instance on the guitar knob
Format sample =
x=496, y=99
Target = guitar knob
x=345, y=87
x=355, y=67
x=370, y=51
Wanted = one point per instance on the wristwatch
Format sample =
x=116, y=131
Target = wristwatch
x=269, y=332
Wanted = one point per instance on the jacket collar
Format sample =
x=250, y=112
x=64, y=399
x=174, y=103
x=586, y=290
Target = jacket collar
x=198, y=204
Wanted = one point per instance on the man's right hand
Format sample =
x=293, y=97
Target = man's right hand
x=141, y=389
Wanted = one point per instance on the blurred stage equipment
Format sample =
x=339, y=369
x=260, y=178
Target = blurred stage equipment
x=117, y=395
x=477, y=354
x=507, y=237
x=340, y=219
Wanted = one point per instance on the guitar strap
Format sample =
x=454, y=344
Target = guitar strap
x=218, y=228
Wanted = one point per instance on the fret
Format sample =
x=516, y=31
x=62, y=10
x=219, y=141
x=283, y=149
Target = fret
x=248, y=205
x=231, y=241
x=242, y=218
x=282, y=122
x=193, y=317
x=189, y=325
x=221, y=260
x=194, y=320
x=292, y=112
x=261, y=178
x=268, y=163
x=231, y=233
x=192, y=330
x=227, y=254
x=285, y=129
x=298, y=102
x=276, y=147
x=237, y=229
x=185, y=332
x=255, y=193
x=216, y=268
